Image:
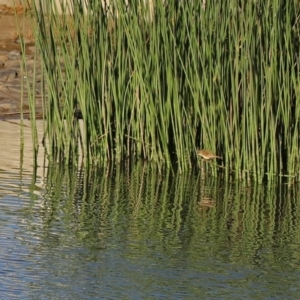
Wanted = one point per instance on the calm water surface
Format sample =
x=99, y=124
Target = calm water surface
x=131, y=233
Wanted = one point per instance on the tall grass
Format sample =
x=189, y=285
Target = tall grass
x=158, y=82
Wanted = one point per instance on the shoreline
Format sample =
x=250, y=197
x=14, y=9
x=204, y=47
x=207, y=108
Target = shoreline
x=11, y=76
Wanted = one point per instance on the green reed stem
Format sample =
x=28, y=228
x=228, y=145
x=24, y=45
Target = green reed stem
x=158, y=82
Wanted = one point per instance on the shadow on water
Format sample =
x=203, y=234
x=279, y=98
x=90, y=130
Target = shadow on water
x=134, y=232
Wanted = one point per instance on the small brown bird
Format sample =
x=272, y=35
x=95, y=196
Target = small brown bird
x=207, y=154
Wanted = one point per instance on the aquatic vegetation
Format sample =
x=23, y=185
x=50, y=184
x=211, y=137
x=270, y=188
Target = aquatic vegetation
x=158, y=80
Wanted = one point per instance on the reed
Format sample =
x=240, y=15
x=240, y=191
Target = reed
x=158, y=81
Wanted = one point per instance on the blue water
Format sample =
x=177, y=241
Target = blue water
x=134, y=235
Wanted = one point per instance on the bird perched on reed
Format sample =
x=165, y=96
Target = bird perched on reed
x=207, y=155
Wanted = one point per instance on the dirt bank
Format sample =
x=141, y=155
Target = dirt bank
x=14, y=21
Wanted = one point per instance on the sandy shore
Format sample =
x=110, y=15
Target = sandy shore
x=12, y=98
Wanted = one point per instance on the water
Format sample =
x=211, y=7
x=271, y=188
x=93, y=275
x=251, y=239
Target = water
x=130, y=233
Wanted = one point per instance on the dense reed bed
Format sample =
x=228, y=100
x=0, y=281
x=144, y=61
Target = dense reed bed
x=159, y=80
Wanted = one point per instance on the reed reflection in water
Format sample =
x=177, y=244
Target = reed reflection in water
x=133, y=232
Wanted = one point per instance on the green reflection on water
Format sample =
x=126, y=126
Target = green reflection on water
x=139, y=206
x=195, y=233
